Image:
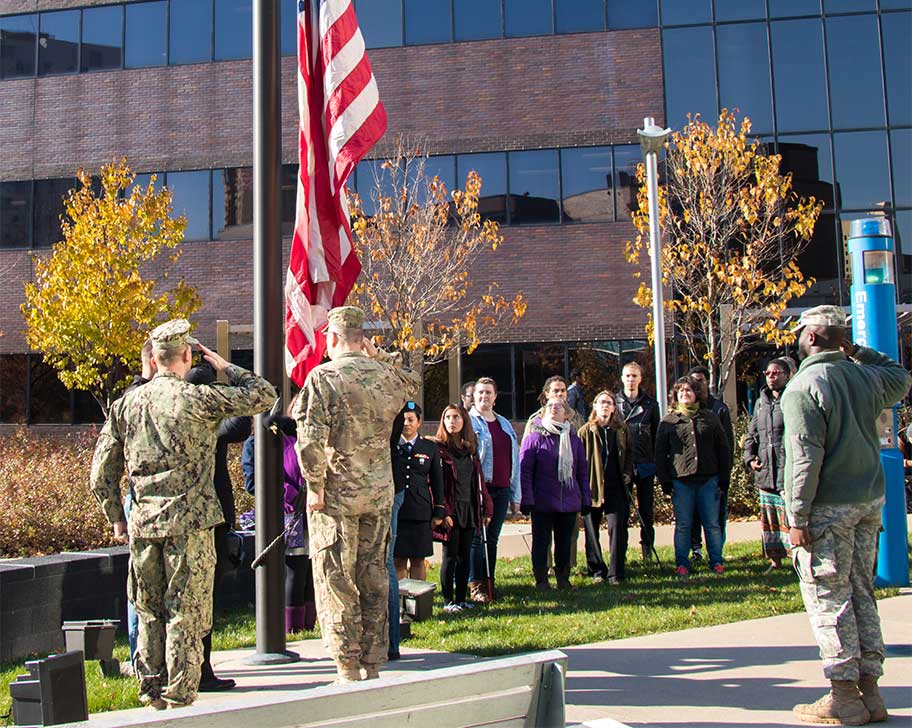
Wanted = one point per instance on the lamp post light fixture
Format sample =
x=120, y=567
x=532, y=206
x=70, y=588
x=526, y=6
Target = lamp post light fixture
x=652, y=141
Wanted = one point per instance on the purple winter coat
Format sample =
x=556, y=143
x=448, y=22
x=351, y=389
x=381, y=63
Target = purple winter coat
x=541, y=489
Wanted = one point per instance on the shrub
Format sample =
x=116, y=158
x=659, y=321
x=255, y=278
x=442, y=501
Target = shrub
x=45, y=503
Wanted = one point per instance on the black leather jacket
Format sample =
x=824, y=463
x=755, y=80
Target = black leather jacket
x=642, y=418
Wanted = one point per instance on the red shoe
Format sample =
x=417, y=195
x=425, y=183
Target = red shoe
x=718, y=569
x=683, y=573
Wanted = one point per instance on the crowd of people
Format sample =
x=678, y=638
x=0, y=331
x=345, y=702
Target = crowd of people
x=378, y=493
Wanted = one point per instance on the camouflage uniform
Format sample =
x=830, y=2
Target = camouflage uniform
x=836, y=585
x=165, y=434
x=344, y=416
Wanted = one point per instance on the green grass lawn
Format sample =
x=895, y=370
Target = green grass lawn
x=522, y=619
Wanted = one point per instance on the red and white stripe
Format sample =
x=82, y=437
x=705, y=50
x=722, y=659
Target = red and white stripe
x=341, y=118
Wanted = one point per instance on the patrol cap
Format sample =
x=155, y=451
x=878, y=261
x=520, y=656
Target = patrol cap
x=342, y=318
x=172, y=334
x=821, y=316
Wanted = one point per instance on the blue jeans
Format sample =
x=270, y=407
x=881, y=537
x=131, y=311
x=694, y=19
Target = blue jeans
x=705, y=497
x=501, y=498
x=132, y=616
x=393, y=579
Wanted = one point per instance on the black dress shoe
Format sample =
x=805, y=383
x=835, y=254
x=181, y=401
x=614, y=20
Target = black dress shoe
x=216, y=684
x=393, y=656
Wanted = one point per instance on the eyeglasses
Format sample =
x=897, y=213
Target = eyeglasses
x=773, y=373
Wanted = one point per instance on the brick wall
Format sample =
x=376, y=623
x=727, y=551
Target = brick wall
x=521, y=93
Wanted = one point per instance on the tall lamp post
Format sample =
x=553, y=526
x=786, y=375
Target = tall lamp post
x=652, y=141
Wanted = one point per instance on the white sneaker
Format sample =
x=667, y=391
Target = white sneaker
x=466, y=606
x=452, y=608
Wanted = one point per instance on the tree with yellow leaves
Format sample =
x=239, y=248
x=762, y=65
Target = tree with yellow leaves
x=732, y=229
x=93, y=300
x=418, y=245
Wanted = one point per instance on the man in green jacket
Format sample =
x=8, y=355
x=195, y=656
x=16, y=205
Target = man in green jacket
x=834, y=493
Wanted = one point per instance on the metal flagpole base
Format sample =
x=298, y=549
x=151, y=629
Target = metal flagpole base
x=272, y=658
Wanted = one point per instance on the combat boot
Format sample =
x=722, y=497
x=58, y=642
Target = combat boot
x=541, y=580
x=346, y=673
x=477, y=592
x=369, y=671
x=841, y=706
x=873, y=701
x=563, y=578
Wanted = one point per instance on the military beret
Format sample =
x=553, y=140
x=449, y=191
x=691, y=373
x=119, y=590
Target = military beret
x=821, y=316
x=172, y=335
x=345, y=317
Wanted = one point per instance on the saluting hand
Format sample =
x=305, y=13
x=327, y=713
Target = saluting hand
x=214, y=359
x=368, y=347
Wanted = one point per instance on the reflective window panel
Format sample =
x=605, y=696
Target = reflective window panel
x=901, y=154
x=683, y=12
x=534, y=186
x=428, y=21
x=477, y=19
x=807, y=157
x=690, y=73
x=190, y=197
x=856, y=81
x=798, y=69
x=861, y=168
x=146, y=34
x=15, y=214
x=102, y=38
x=190, y=31
x=897, y=50
x=793, y=8
x=492, y=168
x=632, y=14
x=233, y=29
x=586, y=176
x=48, y=207
x=744, y=80
x=58, y=46
x=740, y=10
x=17, y=45
x=626, y=159
x=380, y=22
x=579, y=16
x=528, y=17
x=288, y=29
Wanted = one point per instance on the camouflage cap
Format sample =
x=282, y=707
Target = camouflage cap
x=821, y=316
x=172, y=335
x=345, y=317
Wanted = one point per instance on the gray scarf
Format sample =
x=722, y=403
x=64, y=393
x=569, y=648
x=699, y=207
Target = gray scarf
x=565, y=451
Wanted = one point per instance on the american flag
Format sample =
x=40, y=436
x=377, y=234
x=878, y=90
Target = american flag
x=341, y=118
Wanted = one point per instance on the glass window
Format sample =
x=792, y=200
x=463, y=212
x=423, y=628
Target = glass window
x=861, y=168
x=373, y=181
x=444, y=168
x=428, y=21
x=574, y=16
x=15, y=214
x=102, y=38
x=684, y=12
x=744, y=81
x=49, y=400
x=191, y=31
x=586, y=182
x=233, y=29
x=190, y=197
x=798, y=67
x=821, y=260
x=626, y=159
x=740, y=10
x=808, y=158
x=145, y=35
x=793, y=8
x=492, y=360
x=232, y=203
x=289, y=194
x=856, y=83
x=477, y=19
x=895, y=4
x=58, y=47
x=288, y=30
x=48, y=207
x=381, y=22
x=847, y=6
x=901, y=153
x=690, y=74
x=492, y=168
x=897, y=48
x=534, y=186
x=17, y=45
x=528, y=17
x=13, y=387
x=632, y=14
x=85, y=408
x=902, y=239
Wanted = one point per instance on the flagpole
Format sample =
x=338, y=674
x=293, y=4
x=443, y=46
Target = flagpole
x=268, y=330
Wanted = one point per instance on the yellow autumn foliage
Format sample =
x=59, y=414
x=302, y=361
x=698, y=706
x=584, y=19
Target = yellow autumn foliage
x=103, y=286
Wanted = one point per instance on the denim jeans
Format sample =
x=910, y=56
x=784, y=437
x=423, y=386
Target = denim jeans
x=501, y=498
x=393, y=579
x=132, y=616
x=705, y=497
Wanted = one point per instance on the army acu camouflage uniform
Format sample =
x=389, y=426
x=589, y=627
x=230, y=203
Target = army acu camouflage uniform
x=834, y=486
x=165, y=434
x=345, y=414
